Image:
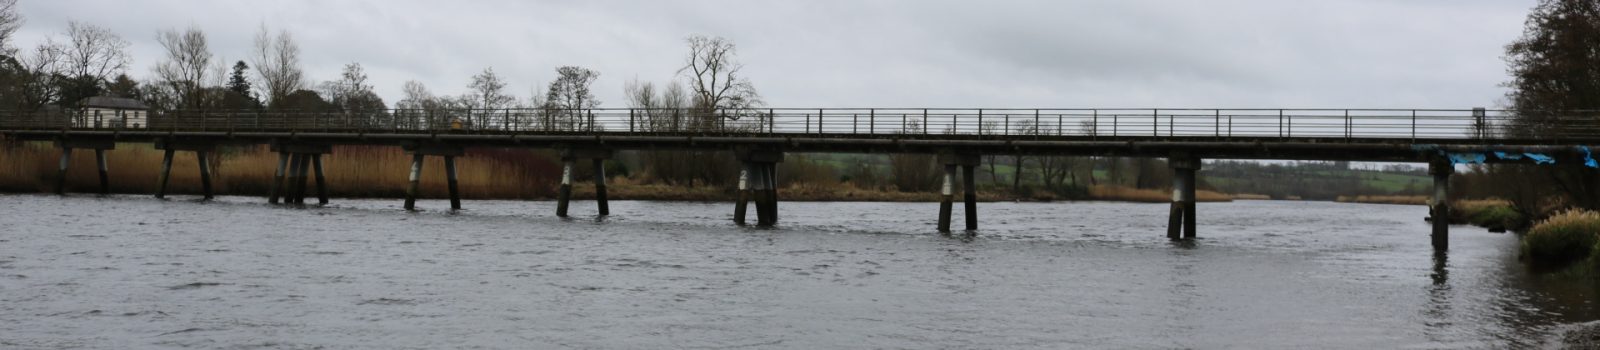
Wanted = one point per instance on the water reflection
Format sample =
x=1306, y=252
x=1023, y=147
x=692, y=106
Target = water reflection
x=1437, y=315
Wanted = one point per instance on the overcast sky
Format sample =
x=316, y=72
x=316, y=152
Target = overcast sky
x=1266, y=53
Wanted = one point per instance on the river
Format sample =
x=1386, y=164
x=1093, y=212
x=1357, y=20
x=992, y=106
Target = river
x=135, y=272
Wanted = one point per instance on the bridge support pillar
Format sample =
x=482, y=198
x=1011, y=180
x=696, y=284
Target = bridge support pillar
x=569, y=160
x=450, y=182
x=1441, y=169
x=968, y=164
x=564, y=195
x=742, y=203
x=296, y=171
x=948, y=196
x=61, y=173
x=322, y=182
x=415, y=182
x=762, y=165
x=169, y=148
x=1181, y=222
x=278, y=178
x=298, y=163
x=99, y=147
x=105, y=174
x=205, y=173
x=600, y=187
x=418, y=152
x=166, y=174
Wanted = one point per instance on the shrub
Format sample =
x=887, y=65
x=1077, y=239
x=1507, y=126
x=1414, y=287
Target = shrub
x=1562, y=239
x=1497, y=218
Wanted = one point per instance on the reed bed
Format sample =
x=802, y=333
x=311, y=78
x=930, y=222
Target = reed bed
x=1128, y=194
x=351, y=171
x=1401, y=200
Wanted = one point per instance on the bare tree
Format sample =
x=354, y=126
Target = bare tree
x=488, y=91
x=38, y=82
x=94, y=53
x=188, y=59
x=569, y=95
x=713, y=76
x=10, y=21
x=277, y=61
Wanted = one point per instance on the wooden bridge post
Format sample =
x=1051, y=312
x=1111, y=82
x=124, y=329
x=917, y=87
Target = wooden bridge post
x=758, y=192
x=292, y=183
x=772, y=193
x=105, y=174
x=415, y=180
x=1181, y=220
x=278, y=178
x=322, y=183
x=1441, y=169
x=741, y=204
x=970, y=193
x=450, y=181
x=948, y=195
x=305, y=177
x=61, y=172
x=166, y=173
x=205, y=173
x=564, y=195
x=600, y=186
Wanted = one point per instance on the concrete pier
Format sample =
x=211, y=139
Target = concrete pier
x=968, y=164
x=569, y=160
x=61, y=172
x=1181, y=219
x=947, y=192
x=421, y=150
x=166, y=174
x=741, y=204
x=600, y=187
x=293, y=183
x=415, y=182
x=105, y=174
x=1441, y=169
x=298, y=163
x=762, y=173
x=322, y=183
x=205, y=174
x=450, y=182
x=67, y=145
x=278, y=178
x=564, y=194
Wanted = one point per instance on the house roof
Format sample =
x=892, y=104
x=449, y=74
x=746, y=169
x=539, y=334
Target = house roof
x=112, y=103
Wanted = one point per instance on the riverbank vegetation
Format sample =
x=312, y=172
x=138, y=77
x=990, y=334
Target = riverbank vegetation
x=1565, y=240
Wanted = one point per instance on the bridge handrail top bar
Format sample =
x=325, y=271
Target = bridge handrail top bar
x=1162, y=109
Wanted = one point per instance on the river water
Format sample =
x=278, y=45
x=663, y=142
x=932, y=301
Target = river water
x=135, y=272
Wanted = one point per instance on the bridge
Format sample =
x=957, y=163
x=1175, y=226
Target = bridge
x=760, y=138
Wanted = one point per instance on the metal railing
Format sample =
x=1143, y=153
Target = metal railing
x=1412, y=124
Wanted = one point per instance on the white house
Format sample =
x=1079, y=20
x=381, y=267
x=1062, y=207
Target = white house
x=112, y=112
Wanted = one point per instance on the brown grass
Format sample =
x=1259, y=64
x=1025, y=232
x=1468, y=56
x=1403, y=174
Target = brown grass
x=350, y=172
x=1127, y=194
x=1251, y=196
x=1405, y=200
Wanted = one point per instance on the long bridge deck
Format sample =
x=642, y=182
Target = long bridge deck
x=1441, y=137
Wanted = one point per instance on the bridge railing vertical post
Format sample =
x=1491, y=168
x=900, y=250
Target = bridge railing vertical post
x=1155, y=122
x=872, y=121
x=1216, y=122
x=1280, y=123
x=772, y=121
x=980, y=122
x=925, y=121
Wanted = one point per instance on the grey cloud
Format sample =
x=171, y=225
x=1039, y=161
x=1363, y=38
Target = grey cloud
x=1236, y=53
